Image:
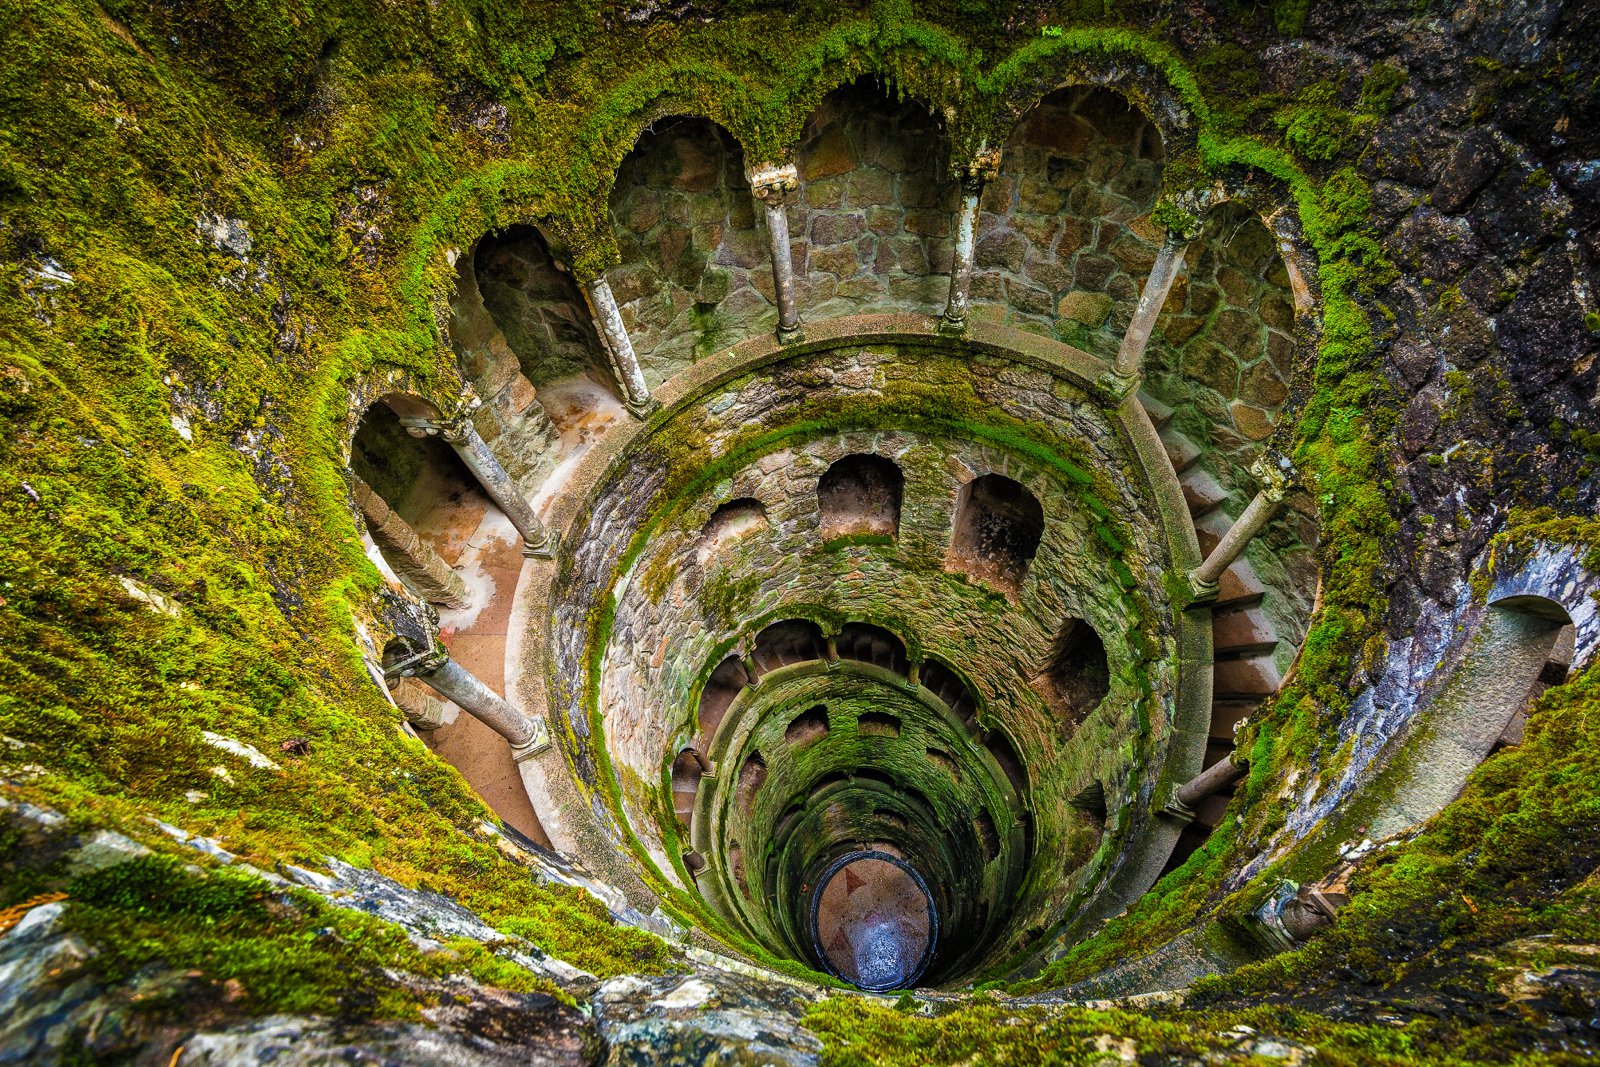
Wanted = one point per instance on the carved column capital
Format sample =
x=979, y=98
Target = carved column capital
x=979, y=171
x=774, y=183
x=1274, y=474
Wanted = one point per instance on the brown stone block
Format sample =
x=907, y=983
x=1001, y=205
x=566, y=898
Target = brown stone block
x=868, y=186
x=519, y=394
x=1091, y=309
x=825, y=194
x=929, y=222
x=865, y=285
x=1235, y=286
x=698, y=164
x=1040, y=230
x=1094, y=270
x=641, y=211
x=1075, y=236
x=1253, y=423
x=998, y=195
x=989, y=285
x=883, y=220
x=840, y=260
x=1027, y=299
x=1048, y=272
x=1135, y=256
x=1147, y=229
x=1004, y=249
x=1263, y=387
x=1239, y=332
x=1039, y=197
x=831, y=229
x=926, y=190
x=1281, y=349
x=1277, y=310
x=828, y=155
x=1212, y=365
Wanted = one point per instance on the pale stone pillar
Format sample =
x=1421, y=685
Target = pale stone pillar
x=1274, y=481
x=434, y=668
x=773, y=185
x=410, y=557
x=474, y=452
x=1128, y=368
x=1214, y=779
x=614, y=336
x=974, y=176
x=914, y=675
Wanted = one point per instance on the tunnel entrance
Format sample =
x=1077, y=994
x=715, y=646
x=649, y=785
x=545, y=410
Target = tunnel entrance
x=873, y=921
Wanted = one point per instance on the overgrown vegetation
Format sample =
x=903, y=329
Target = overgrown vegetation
x=173, y=402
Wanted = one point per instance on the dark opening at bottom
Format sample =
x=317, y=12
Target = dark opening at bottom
x=873, y=922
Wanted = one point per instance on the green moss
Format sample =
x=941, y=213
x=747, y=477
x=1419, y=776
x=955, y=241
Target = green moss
x=284, y=950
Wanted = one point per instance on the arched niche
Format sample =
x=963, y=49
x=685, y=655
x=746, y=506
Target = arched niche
x=544, y=322
x=997, y=528
x=866, y=643
x=420, y=503
x=859, y=496
x=695, y=276
x=1223, y=354
x=1065, y=239
x=514, y=419
x=1501, y=671
x=872, y=220
x=1076, y=676
x=944, y=683
x=787, y=642
x=729, y=524
x=724, y=684
x=808, y=727
x=687, y=770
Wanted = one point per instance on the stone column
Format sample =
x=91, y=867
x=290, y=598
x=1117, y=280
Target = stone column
x=474, y=452
x=974, y=176
x=526, y=734
x=411, y=559
x=614, y=335
x=750, y=670
x=1274, y=479
x=1214, y=779
x=773, y=185
x=1128, y=368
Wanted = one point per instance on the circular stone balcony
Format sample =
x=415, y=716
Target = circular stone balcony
x=887, y=592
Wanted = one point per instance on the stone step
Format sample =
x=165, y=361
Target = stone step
x=1242, y=631
x=1239, y=586
x=1216, y=752
x=1201, y=492
x=1254, y=676
x=1159, y=413
x=1209, y=529
x=1226, y=714
x=1181, y=452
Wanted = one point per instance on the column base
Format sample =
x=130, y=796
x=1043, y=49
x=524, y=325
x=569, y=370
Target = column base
x=791, y=335
x=1178, y=811
x=1202, y=591
x=949, y=324
x=1114, y=388
x=545, y=549
x=643, y=409
x=534, y=745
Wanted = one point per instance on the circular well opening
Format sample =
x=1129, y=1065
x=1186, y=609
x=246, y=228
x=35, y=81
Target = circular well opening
x=873, y=922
